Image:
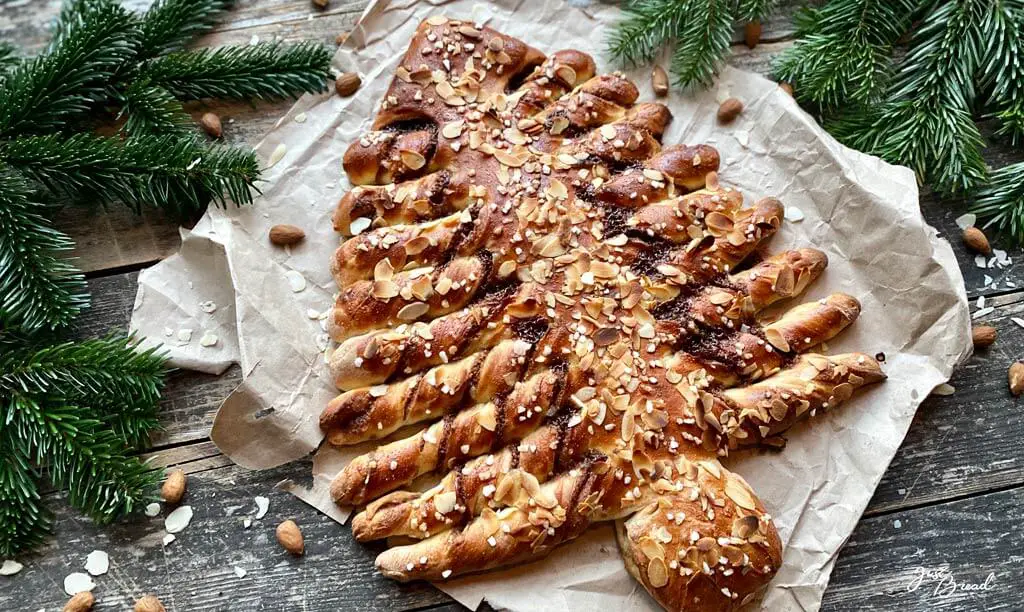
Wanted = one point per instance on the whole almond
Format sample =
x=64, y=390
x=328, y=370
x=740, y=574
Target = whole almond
x=290, y=537
x=729, y=110
x=284, y=234
x=1016, y=378
x=752, y=34
x=983, y=336
x=347, y=84
x=321, y=4
x=149, y=603
x=786, y=87
x=659, y=81
x=174, y=487
x=976, y=241
x=211, y=125
x=80, y=602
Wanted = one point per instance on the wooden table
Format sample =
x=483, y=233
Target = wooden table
x=950, y=508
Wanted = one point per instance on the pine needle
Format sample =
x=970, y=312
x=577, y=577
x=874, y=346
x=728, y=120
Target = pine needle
x=925, y=120
x=263, y=71
x=169, y=25
x=94, y=40
x=180, y=174
x=843, y=51
x=1000, y=202
x=38, y=288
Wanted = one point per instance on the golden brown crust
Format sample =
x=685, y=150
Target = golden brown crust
x=569, y=310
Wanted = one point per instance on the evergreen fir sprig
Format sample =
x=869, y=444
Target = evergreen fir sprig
x=169, y=25
x=843, y=53
x=8, y=57
x=24, y=521
x=1001, y=74
x=39, y=289
x=183, y=174
x=753, y=10
x=76, y=411
x=150, y=110
x=1000, y=202
x=701, y=31
x=79, y=409
x=40, y=95
x=263, y=71
x=925, y=121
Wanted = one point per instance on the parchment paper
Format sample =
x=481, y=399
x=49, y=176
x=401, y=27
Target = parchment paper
x=261, y=304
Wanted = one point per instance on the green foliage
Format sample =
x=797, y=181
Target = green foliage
x=80, y=409
x=75, y=411
x=149, y=110
x=263, y=71
x=183, y=174
x=701, y=31
x=1000, y=203
x=843, y=51
x=169, y=25
x=753, y=10
x=38, y=289
x=42, y=94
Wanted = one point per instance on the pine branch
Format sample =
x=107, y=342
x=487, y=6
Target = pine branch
x=1000, y=202
x=38, y=288
x=180, y=175
x=701, y=30
x=24, y=522
x=152, y=110
x=702, y=43
x=264, y=71
x=169, y=25
x=8, y=57
x=82, y=455
x=843, y=50
x=1002, y=72
x=925, y=121
x=753, y=10
x=649, y=25
x=95, y=37
x=119, y=384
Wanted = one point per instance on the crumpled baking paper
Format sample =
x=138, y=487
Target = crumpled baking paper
x=231, y=297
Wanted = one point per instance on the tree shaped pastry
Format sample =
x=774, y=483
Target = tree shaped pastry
x=571, y=317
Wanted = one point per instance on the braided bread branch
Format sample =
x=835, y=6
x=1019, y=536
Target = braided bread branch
x=565, y=308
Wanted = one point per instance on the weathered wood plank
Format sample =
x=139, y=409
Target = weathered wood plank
x=967, y=539
x=197, y=571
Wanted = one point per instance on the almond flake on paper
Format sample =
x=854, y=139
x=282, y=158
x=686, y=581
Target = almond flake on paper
x=794, y=214
x=240, y=571
x=209, y=306
x=312, y=313
x=168, y=538
x=152, y=509
x=184, y=336
x=944, y=389
x=983, y=312
x=209, y=339
x=296, y=280
x=10, y=567
x=1019, y=321
x=300, y=118
x=981, y=262
x=277, y=155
